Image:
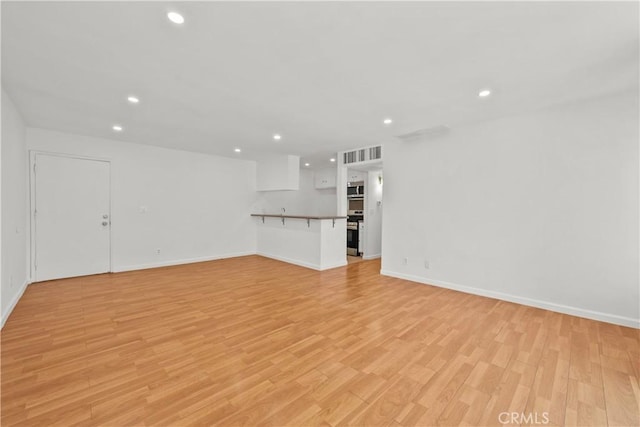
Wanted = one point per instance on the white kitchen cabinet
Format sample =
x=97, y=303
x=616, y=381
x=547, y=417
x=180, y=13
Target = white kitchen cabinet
x=325, y=178
x=355, y=176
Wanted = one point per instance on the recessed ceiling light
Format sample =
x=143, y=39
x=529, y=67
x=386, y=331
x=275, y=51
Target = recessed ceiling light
x=307, y=164
x=237, y=150
x=133, y=99
x=484, y=93
x=332, y=159
x=117, y=128
x=277, y=137
x=175, y=17
x=387, y=121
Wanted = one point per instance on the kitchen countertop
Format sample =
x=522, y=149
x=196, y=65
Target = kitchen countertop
x=298, y=216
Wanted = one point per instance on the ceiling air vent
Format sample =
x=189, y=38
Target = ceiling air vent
x=375, y=153
x=350, y=157
x=431, y=132
x=362, y=155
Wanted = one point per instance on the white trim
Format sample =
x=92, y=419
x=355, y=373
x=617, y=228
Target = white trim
x=71, y=155
x=335, y=265
x=560, y=308
x=374, y=256
x=305, y=264
x=13, y=304
x=146, y=266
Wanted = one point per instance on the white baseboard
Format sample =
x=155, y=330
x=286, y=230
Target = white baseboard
x=303, y=263
x=13, y=304
x=178, y=262
x=375, y=256
x=560, y=308
x=336, y=265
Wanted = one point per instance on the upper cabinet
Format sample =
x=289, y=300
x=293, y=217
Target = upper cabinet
x=355, y=176
x=325, y=178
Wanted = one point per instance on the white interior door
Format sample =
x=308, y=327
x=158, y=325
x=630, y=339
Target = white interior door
x=72, y=217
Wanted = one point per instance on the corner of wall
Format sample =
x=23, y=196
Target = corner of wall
x=14, y=208
x=12, y=304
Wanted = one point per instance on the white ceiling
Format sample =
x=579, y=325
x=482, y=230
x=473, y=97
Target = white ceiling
x=322, y=74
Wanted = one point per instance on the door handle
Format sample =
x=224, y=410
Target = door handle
x=105, y=223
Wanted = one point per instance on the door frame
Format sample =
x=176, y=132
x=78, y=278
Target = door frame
x=32, y=204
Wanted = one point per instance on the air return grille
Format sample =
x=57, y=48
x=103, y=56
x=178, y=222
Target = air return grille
x=375, y=153
x=362, y=155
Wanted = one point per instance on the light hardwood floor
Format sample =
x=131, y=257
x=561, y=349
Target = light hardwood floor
x=252, y=341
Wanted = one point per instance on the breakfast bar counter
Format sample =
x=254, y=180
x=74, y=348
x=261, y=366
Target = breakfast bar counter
x=311, y=241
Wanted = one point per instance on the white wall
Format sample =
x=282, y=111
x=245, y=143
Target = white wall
x=14, y=208
x=197, y=205
x=373, y=215
x=278, y=172
x=306, y=201
x=540, y=209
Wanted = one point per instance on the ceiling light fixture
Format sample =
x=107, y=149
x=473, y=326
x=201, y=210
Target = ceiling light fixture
x=117, y=128
x=237, y=150
x=277, y=137
x=133, y=99
x=307, y=164
x=387, y=121
x=175, y=17
x=332, y=159
x=484, y=93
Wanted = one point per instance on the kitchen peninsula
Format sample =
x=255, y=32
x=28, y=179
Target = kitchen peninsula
x=316, y=242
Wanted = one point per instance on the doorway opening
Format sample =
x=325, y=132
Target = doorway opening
x=360, y=199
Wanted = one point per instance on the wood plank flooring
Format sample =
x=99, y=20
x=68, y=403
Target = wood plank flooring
x=352, y=259
x=252, y=341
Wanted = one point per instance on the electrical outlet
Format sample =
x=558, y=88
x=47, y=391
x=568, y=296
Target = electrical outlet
x=426, y=264
x=158, y=251
x=405, y=261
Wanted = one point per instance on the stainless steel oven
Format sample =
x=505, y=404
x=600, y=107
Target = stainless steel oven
x=355, y=192
x=352, y=238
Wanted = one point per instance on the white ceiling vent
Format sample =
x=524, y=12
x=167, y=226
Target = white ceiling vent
x=362, y=155
x=426, y=133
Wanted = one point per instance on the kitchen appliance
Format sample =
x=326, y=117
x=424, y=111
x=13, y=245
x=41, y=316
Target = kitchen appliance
x=356, y=212
x=352, y=237
x=355, y=192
